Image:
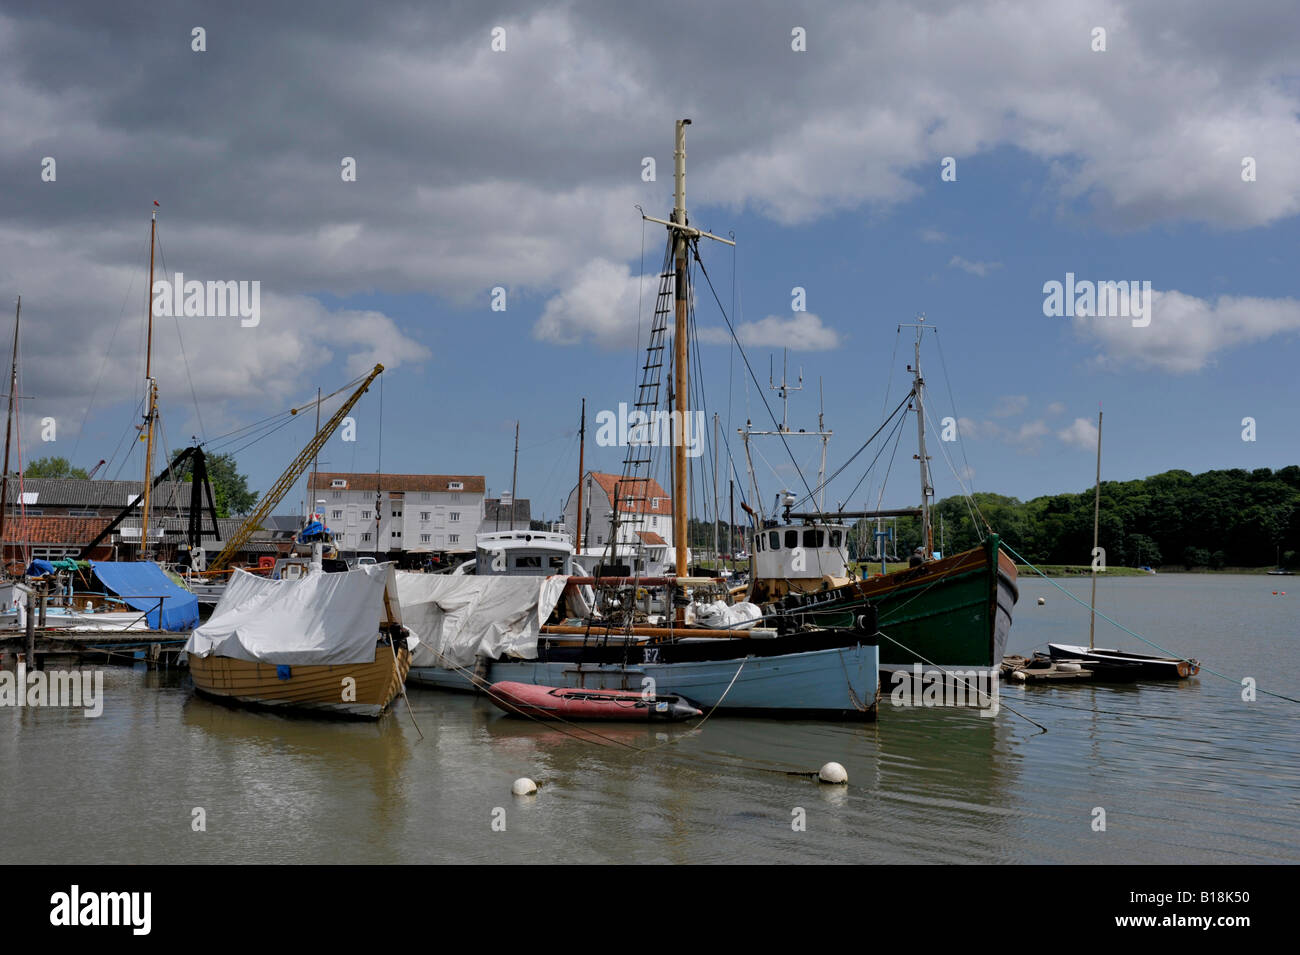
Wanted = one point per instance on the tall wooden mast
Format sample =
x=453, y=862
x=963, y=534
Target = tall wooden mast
x=582, y=448
x=152, y=398
x=9, y=424
x=681, y=392
x=681, y=233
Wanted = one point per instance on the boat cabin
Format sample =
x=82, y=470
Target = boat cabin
x=522, y=553
x=799, y=558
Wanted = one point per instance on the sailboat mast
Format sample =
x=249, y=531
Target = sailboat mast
x=715, y=491
x=9, y=424
x=927, y=533
x=1096, y=518
x=680, y=357
x=152, y=397
x=514, y=476
x=582, y=448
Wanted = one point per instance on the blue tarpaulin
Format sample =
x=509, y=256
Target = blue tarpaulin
x=314, y=529
x=141, y=583
x=40, y=568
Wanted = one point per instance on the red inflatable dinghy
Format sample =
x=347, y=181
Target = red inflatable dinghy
x=549, y=702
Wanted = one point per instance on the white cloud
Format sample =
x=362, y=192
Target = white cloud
x=974, y=268
x=933, y=235
x=1081, y=434
x=1186, y=332
x=1055, y=408
x=802, y=331
x=599, y=305
x=1010, y=405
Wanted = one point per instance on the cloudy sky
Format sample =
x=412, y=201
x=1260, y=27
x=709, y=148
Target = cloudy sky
x=1171, y=156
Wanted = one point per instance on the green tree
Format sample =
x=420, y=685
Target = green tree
x=53, y=468
x=229, y=487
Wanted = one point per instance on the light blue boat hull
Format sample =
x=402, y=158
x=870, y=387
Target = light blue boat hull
x=837, y=683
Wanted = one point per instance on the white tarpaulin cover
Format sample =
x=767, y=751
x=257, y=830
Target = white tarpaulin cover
x=457, y=618
x=722, y=616
x=317, y=619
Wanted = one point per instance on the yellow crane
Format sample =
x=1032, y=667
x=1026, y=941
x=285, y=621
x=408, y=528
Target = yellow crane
x=290, y=476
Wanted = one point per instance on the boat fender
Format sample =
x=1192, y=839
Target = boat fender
x=1069, y=667
x=523, y=786
x=1019, y=675
x=834, y=774
x=1041, y=601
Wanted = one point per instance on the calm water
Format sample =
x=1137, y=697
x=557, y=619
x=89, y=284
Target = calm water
x=1186, y=772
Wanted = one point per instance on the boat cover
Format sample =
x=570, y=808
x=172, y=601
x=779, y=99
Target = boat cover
x=140, y=583
x=322, y=618
x=457, y=618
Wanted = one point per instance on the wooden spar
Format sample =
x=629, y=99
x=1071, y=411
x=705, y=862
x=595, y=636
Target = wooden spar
x=1096, y=516
x=680, y=357
x=9, y=423
x=152, y=397
x=582, y=447
x=566, y=630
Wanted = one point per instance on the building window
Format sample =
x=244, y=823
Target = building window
x=654, y=503
x=397, y=533
x=455, y=498
x=424, y=515
x=454, y=516
x=454, y=538
x=338, y=495
x=365, y=515
x=366, y=537
x=397, y=513
x=455, y=486
x=654, y=522
x=425, y=538
x=424, y=496
x=80, y=513
x=336, y=514
x=338, y=482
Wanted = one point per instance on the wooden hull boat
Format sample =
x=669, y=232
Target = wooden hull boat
x=1120, y=664
x=549, y=702
x=358, y=690
x=952, y=613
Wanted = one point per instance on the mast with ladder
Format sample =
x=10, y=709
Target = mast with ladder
x=676, y=283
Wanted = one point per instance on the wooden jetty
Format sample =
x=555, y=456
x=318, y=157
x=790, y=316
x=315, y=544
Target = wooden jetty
x=1040, y=670
x=154, y=648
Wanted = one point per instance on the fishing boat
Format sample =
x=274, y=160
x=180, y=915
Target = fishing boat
x=497, y=632
x=324, y=643
x=943, y=612
x=549, y=702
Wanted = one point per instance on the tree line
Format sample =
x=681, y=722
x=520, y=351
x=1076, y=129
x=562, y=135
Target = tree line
x=1230, y=518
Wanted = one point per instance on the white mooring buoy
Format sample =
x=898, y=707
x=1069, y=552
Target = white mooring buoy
x=523, y=786
x=833, y=773
x=1041, y=601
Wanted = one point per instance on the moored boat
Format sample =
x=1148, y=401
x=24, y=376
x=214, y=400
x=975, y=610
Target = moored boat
x=1123, y=665
x=550, y=702
x=328, y=643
